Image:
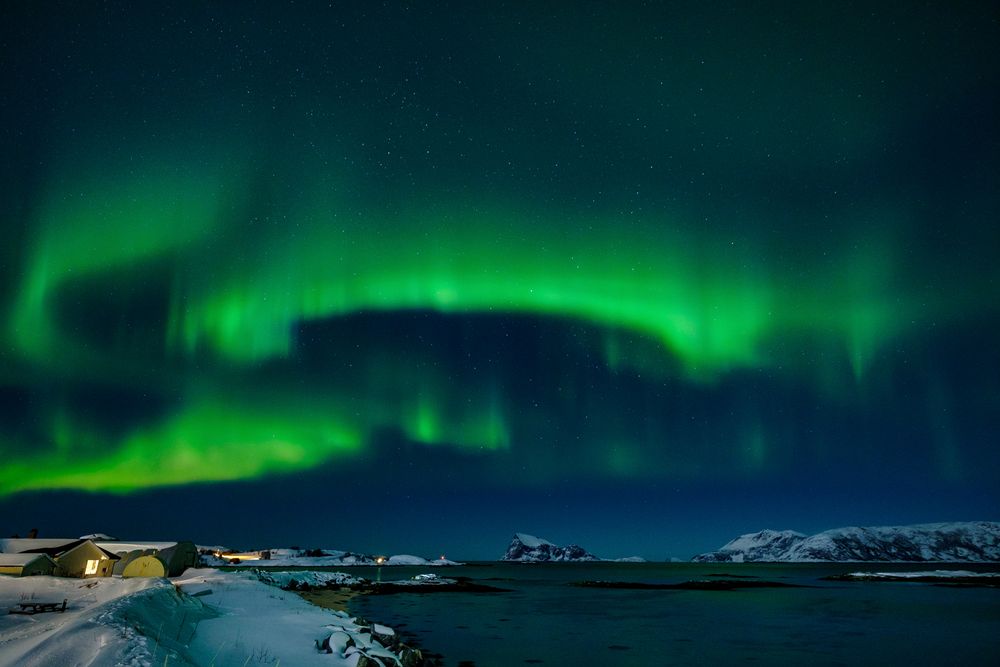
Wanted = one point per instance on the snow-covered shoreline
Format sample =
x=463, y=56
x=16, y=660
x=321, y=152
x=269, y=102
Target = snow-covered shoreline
x=290, y=557
x=205, y=617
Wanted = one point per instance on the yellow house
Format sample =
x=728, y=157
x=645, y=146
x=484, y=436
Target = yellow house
x=73, y=558
x=26, y=565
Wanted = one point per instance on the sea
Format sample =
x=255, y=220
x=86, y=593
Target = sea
x=542, y=619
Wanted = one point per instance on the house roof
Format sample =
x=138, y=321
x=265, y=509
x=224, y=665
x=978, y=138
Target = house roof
x=55, y=548
x=14, y=560
x=16, y=545
x=119, y=547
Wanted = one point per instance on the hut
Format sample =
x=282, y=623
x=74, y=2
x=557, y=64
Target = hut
x=26, y=565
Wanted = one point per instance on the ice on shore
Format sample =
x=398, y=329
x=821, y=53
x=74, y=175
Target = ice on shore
x=927, y=574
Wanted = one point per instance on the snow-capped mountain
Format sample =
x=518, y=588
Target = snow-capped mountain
x=767, y=545
x=530, y=549
x=974, y=541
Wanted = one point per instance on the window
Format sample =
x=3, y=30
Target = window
x=91, y=567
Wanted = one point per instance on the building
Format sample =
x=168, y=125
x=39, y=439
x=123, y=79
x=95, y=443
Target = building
x=142, y=566
x=175, y=556
x=73, y=558
x=26, y=565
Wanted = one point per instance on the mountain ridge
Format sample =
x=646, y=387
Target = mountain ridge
x=969, y=541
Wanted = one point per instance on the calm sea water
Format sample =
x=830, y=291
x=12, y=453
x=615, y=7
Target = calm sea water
x=544, y=620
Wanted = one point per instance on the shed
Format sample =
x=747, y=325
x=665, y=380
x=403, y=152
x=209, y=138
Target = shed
x=26, y=565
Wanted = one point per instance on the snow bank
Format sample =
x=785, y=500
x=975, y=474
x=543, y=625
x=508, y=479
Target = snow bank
x=108, y=621
x=260, y=625
x=205, y=617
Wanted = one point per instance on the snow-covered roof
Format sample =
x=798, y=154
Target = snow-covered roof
x=16, y=545
x=14, y=560
x=119, y=547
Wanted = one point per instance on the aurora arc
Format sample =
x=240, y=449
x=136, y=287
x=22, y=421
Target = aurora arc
x=712, y=315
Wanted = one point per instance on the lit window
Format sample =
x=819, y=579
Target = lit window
x=91, y=567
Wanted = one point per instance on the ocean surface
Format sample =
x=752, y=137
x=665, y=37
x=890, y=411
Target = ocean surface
x=544, y=620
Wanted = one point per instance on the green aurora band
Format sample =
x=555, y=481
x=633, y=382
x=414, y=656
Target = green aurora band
x=676, y=202
x=713, y=307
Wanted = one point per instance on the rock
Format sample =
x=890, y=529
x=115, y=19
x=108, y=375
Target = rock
x=530, y=549
x=411, y=657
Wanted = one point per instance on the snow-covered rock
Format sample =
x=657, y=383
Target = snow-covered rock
x=977, y=541
x=530, y=549
x=406, y=559
x=306, y=579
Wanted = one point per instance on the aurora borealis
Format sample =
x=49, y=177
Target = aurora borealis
x=640, y=275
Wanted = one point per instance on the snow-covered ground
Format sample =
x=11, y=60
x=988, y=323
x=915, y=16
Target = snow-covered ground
x=205, y=617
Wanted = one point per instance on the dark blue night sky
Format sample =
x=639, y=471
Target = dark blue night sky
x=397, y=278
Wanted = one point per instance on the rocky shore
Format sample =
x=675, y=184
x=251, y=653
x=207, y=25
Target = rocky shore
x=375, y=645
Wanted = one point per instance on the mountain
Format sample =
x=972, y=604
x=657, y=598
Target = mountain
x=530, y=549
x=974, y=541
x=766, y=546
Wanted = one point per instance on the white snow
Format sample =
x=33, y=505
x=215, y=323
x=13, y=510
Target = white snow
x=98, y=536
x=91, y=631
x=763, y=538
x=263, y=625
x=139, y=622
x=19, y=560
x=13, y=545
x=118, y=547
x=531, y=541
x=308, y=577
x=937, y=574
x=406, y=559
x=943, y=542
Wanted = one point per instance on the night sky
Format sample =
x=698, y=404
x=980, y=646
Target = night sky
x=400, y=278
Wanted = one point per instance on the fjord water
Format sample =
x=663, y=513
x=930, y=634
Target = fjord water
x=544, y=620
